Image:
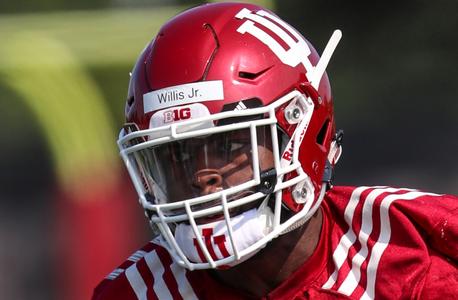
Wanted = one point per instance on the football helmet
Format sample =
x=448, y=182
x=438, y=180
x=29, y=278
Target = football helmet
x=229, y=136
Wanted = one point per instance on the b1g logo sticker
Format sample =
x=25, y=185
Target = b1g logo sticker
x=177, y=114
x=298, y=51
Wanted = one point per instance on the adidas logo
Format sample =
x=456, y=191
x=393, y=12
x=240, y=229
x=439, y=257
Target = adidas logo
x=240, y=106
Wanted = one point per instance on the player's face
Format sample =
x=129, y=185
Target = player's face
x=226, y=162
x=201, y=166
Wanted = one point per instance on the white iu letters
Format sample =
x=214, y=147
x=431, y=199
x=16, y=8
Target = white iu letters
x=297, y=53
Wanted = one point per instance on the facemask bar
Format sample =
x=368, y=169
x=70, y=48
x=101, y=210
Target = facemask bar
x=207, y=198
x=177, y=132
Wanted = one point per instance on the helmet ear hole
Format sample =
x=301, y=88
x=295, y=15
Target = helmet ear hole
x=323, y=133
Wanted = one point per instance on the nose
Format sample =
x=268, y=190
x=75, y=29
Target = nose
x=208, y=181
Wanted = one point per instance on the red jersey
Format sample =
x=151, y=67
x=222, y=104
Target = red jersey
x=375, y=243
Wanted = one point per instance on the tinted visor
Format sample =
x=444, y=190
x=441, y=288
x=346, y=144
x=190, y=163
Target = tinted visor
x=199, y=166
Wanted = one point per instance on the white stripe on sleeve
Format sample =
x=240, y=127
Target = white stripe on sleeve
x=384, y=239
x=136, y=282
x=350, y=283
x=156, y=267
x=184, y=287
x=346, y=241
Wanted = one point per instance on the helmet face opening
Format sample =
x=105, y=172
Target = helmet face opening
x=199, y=166
x=231, y=154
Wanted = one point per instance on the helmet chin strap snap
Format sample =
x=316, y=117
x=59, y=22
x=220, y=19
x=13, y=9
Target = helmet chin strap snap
x=303, y=191
x=311, y=211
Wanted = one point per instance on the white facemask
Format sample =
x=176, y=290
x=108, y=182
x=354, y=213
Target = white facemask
x=248, y=228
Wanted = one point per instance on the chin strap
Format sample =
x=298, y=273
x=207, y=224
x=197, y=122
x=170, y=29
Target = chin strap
x=335, y=152
x=310, y=213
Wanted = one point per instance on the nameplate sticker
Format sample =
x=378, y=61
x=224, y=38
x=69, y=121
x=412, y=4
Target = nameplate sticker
x=183, y=94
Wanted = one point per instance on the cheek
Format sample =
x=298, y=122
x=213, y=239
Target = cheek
x=243, y=174
x=244, y=171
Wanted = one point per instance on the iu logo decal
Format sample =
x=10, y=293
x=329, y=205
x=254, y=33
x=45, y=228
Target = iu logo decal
x=210, y=242
x=298, y=51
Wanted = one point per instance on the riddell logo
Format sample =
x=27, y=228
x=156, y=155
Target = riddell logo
x=210, y=242
x=177, y=114
x=288, y=154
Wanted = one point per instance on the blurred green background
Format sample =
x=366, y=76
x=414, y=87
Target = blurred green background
x=65, y=201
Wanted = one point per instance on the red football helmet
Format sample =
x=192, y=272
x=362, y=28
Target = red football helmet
x=229, y=136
